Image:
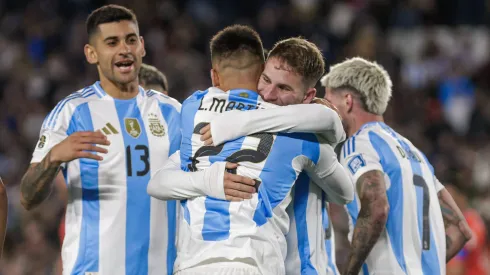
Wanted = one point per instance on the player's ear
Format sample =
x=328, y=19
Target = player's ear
x=214, y=78
x=309, y=95
x=90, y=54
x=349, y=102
x=143, y=46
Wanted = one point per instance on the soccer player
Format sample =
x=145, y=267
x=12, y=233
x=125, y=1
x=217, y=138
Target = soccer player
x=247, y=237
x=311, y=246
x=151, y=78
x=398, y=224
x=112, y=225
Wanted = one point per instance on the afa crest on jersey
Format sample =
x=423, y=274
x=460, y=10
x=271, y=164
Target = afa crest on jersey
x=156, y=126
x=356, y=163
x=132, y=126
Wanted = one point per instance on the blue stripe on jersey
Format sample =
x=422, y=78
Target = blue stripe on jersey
x=353, y=144
x=88, y=251
x=302, y=188
x=137, y=202
x=365, y=269
x=172, y=118
x=391, y=166
x=187, y=114
x=273, y=190
x=217, y=217
x=430, y=261
x=349, y=141
x=327, y=225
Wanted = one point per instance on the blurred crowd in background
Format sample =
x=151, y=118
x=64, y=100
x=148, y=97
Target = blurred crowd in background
x=436, y=51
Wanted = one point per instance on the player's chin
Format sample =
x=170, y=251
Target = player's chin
x=125, y=78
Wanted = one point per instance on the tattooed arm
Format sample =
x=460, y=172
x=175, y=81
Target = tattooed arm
x=457, y=230
x=371, y=219
x=38, y=180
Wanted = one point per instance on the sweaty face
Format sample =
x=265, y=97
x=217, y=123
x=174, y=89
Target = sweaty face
x=119, y=50
x=279, y=85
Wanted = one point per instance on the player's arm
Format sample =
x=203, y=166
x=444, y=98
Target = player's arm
x=3, y=215
x=458, y=231
x=37, y=182
x=363, y=164
x=171, y=183
x=308, y=118
x=371, y=220
x=331, y=176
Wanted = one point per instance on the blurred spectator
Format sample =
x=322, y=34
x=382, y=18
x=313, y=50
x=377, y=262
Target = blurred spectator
x=473, y=258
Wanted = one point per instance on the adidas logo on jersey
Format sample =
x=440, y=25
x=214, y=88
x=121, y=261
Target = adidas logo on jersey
x=109, y=130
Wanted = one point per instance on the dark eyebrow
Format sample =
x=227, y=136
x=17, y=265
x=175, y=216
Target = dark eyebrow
x=131, y=35
x=111, y=38
x=116, y=38
x=266, y=76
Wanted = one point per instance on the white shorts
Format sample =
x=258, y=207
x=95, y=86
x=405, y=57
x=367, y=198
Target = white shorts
x=222, y=268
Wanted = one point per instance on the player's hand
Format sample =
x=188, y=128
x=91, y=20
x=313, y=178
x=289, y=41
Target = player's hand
x=237, y=188
x=206, y=135
x=79, y=145
x=325, y=102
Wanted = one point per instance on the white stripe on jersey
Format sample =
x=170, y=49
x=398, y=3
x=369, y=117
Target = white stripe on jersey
x=112, y=226
x=399, y=250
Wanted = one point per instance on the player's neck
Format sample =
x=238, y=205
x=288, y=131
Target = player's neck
x=358, y=121
x=120, y=91
x=237, y=85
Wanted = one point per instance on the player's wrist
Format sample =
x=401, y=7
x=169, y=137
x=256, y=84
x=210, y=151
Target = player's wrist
x=53, y=159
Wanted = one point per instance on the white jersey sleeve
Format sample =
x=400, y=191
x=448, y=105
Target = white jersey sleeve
x=358, y=156
x=53, y=131
x=438, y=184
x=171, y=183
x=331, y=177
x=308, y=118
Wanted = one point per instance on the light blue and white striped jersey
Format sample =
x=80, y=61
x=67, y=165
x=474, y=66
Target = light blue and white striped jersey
x=414, y=239
x=112, y=225
x=311, y=243
x=251, y=231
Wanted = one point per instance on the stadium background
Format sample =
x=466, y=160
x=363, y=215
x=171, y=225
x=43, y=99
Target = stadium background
x=436, y=51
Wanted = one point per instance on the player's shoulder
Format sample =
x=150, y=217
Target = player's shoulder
x=81, y=96
x=163, y=99
x=67, y=106
x=197, y=95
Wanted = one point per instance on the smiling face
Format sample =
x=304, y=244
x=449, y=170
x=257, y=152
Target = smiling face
x=118, y=50
x=282, y=86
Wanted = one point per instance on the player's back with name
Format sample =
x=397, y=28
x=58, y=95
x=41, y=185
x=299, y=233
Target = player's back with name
x=236, y=230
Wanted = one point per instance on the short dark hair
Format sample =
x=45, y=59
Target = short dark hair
x=236, y=40
x=150, y=75
x=301, y=56
x=108, y=14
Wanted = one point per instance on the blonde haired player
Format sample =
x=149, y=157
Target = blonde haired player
x=397, y=219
